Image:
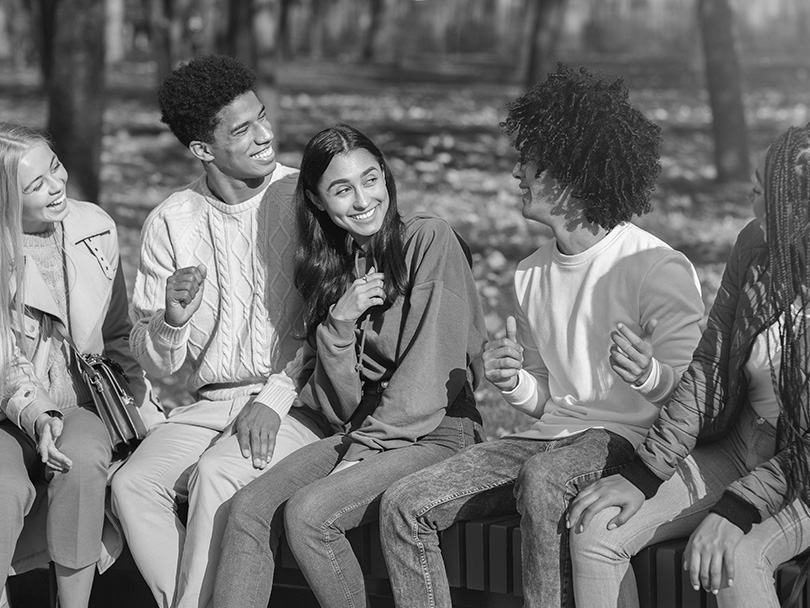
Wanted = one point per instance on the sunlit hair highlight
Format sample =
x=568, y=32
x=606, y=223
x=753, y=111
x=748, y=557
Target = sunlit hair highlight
x=584, y=129
x=787, y=217
x=15, y=141
x=324, y=257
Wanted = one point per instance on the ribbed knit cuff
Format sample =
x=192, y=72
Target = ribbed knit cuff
x=642, y=477
x=737, y=510
x=278, y=394
x=168, y=334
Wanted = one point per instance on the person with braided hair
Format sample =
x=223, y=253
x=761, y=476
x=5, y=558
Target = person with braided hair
x=588, y=160
x=728, y=459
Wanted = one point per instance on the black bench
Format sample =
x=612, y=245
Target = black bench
x=483, y=567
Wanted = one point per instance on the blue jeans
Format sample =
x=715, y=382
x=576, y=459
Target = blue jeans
x=538, y=478
x=320, y=508
x=601, y=557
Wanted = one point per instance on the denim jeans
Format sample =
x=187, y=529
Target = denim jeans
x=320, y=508
x=539, y=478
x=601, y=558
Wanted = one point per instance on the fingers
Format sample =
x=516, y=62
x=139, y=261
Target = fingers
x=184, y=284
x=650, y=328
x=49, y=453
x=511, y=328
x=243, y=437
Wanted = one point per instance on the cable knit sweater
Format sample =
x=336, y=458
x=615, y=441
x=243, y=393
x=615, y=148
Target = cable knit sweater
x=242, y=335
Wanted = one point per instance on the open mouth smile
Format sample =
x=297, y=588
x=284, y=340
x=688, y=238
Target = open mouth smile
x=265, y=154
x=58, y=202
x=365, y=215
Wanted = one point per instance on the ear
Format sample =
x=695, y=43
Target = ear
x=313, y=198
x=201, y=150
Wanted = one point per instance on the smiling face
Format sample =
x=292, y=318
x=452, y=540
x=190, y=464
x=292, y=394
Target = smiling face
x=44, y=198
x=352, y=192
x=242, y=145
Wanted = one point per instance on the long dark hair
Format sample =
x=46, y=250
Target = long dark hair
x=324, y=261
x=787, y=218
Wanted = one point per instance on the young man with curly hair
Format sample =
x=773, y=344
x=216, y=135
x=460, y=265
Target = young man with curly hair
x=587, y=164
x=214, y=289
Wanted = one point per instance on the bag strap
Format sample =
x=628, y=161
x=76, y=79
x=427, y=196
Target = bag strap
x=61, y=332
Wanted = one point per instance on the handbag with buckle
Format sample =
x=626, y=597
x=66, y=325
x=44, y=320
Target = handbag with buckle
x=112, y=396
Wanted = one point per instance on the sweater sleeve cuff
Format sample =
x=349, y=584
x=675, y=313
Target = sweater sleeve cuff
x=278, y=394
x=168, y=334
x=30, y=413
x=642, y=477
x=737, y=510
x=343, y=331
x=524, y=390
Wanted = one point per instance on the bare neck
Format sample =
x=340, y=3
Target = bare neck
x=230, y=190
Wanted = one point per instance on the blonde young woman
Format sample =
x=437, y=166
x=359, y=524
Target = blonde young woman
x=60, y=265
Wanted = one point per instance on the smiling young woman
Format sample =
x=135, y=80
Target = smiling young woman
x=393, y=313
x=62, y=268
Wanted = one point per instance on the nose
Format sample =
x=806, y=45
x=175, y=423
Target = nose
x=517, y=170
x=361, y=199
x=263, y=132
x=55, y=182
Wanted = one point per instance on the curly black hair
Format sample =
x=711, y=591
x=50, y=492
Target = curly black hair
x=583, y=128
x=192, y=96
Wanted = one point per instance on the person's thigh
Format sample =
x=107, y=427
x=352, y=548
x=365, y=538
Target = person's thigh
x=224, y=461
x=76, y=498
x=759, y=554
x=476, y=482
x=262, y=498
x=17, y=456
x=159, y=468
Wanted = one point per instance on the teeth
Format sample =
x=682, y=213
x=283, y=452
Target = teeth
x=264, y=154
x=364, y=216
x=58, y=202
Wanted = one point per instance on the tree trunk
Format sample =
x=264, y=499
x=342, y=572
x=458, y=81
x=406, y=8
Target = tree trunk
x=239, y=35
x=44, y=16
x=161, y=38
x=114, y=31
x=544, y=22
x=265, y=37
x=724, y=83
x=316, y=29
x=76, y=93
x=368, y=54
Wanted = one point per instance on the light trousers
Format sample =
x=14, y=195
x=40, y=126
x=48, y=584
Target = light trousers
x=182, y=461
x=75, y=513
x=601, y=558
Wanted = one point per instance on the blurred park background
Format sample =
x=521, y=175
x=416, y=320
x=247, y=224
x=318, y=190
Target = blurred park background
x=428, y=80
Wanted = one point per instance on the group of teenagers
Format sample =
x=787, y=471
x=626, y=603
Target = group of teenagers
x=335, y=346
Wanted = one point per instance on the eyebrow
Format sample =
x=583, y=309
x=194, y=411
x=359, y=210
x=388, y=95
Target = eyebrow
x=345, y=180
x=29, y=185
x=242, y=125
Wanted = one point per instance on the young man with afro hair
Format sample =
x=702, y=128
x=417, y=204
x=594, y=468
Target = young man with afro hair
x=214, y=290
x=594, y=303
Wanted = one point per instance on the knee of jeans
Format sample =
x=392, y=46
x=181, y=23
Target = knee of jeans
x=750, y=556
x=304, y=512
x=596, y=542
x=537, y=485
